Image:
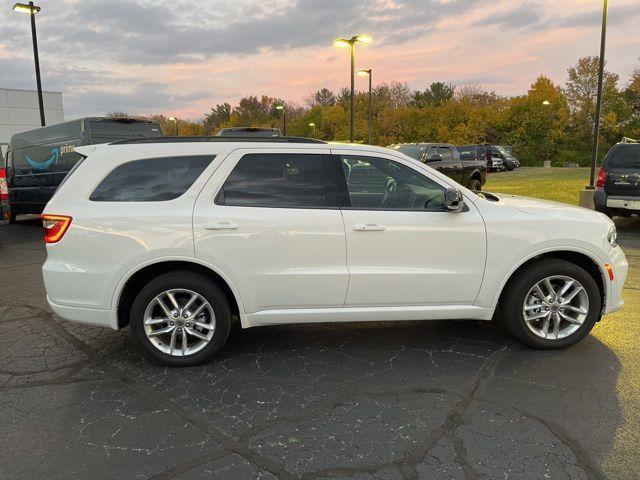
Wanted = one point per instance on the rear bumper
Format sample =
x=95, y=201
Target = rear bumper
x=619, y=202
x=88, y=316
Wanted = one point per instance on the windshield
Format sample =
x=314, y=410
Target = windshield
x=625, y=156
x=413, y=151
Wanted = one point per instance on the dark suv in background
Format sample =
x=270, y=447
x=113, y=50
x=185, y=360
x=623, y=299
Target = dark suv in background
x=618, y=183
x=505, y=154
x=444, y=157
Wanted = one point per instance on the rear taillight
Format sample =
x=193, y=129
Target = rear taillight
x=55, y=227
x=4, y=188
x=602, y=177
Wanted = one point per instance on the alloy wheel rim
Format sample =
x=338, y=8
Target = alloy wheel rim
x=179, y=322
x=555, y=307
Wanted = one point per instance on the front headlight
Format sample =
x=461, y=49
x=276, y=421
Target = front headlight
x=612, y=236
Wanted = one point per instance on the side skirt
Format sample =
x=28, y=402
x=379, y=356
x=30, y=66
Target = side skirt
x=365, y=314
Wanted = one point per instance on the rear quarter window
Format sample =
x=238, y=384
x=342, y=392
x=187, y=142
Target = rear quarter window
x=151, y=179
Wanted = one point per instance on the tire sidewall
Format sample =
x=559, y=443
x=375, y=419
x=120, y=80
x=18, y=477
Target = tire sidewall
x=475, y=185
x=190, y=281
x=511, y=308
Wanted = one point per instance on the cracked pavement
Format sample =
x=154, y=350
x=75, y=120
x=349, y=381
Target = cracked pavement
x=396, y=400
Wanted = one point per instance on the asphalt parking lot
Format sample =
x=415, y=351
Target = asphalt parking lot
x=433, y=400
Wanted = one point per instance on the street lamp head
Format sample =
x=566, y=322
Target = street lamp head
x=546, y=102
x=173, y=119
x=312, y=124
x=344, y=42
x=26, y=8
x=364, y=73
x=363, y=38
x=279, y=107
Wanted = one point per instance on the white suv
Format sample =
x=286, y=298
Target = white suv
x=179, y=238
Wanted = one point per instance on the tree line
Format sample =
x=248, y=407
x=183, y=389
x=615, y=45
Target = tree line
x=549, y=121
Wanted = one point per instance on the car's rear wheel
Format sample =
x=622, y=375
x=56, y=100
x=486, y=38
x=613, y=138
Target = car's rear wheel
x=552, y=304
x=180, y=319
x=622, y=213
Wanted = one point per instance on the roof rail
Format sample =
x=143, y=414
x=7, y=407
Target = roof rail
x=217, y=140
x=629, y=140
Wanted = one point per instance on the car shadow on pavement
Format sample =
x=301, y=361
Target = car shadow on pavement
x=391, y=398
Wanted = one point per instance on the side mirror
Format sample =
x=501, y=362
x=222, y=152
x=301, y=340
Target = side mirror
x=453, y=200
x=436, y=157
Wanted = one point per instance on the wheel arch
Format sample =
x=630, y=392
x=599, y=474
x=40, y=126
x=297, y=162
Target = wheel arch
x=476, y=175
x=589, y=262
x=137, y=278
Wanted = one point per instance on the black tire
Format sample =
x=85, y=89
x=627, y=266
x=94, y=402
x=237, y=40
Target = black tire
x=181, y=280
x=475, y=185
x=605, y=210
x=513, y=298
x=622, y=213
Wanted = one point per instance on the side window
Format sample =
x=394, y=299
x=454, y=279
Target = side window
x=151, y=179
x=445, y=153
x=283, y=180
x=377, y=183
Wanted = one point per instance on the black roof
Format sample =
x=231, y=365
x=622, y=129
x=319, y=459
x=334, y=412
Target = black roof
x=217, y=140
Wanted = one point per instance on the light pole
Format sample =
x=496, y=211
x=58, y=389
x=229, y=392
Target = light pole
x=284, y=118
x=368, y=73
x=313, y=125
x=32, y=9
x=175, y=120
x=351, y=43
x=547, y=103
x=596, y=127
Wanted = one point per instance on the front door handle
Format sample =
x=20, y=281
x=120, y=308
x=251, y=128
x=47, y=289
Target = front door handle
x=368, y=227
x=221, y=226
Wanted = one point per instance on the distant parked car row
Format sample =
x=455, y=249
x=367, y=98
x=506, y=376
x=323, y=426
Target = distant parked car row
x=498, y=157
x=466, y=164
x=470, y=172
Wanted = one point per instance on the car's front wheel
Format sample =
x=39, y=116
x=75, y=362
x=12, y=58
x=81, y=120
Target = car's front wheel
x=180, y=319
x=551, y=304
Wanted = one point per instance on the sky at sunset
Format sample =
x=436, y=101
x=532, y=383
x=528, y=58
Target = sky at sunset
x=181, y=58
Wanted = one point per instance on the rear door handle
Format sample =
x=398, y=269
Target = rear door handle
x=221, y=226
x=368, y=227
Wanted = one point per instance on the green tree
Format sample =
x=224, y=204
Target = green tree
x=581, y=92
x=631, y=96
x=219, y=114
x=323, y=97
x=535, y=124
x=437, y=94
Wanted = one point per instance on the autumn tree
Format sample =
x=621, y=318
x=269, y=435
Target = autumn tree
x=217, y=116
x=581, y=91
x=435, y=95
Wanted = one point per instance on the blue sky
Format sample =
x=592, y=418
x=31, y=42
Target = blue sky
x=180, y=58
